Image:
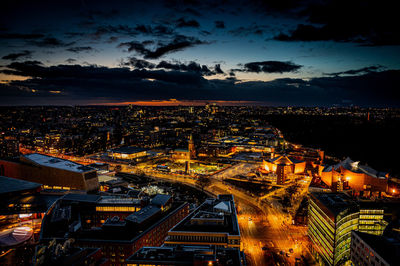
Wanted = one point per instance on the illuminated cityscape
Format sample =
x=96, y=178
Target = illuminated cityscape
x=244, y=133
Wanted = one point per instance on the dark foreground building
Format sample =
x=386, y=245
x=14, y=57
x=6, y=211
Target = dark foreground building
x=209, y=235
x=22, y=207
x=118, y=236
x=183, y=255
x=64, y=254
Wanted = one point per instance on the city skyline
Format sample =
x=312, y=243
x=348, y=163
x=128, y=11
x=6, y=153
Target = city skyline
x=313, y=53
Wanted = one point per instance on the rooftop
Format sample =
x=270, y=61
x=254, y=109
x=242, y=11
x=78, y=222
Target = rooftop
x=336, y=203
x=185, y=255
x=12, y=185
x=283, y=159
x=211, y=211
x=355, y=167
x=144, y=214
x=128, y=150
x=58, y=163
x=69, y=209
x=82, y=197
x=160, y=199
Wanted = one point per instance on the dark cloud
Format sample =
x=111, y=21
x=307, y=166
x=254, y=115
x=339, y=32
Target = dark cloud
x=51, y=42
x=370, y=23
x=191, y=67
x=156, y=30
x=191, y=11
x=218, y=69
x=14, y=56
x=114, y=29
x=95, y=83
x=363, y=70
x=112, y=39
x=180, y=42
x=219, y=24
x=138, y=63
x=70, y=60
x=72, y=34
x=99, y=14
x=176, y=66
x=270, y=67
x=182, y=23
x=79, y=49
x=205, y=33
x=250, y=30
x=22, y=36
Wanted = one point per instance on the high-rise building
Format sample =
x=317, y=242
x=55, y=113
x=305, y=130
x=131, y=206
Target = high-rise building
x=332, y=217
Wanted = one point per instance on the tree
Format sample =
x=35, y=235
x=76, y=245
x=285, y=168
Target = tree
x=203, y=182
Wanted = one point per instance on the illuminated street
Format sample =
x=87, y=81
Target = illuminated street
x=265, y=230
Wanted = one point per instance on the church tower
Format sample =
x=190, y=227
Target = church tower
x=192, y=151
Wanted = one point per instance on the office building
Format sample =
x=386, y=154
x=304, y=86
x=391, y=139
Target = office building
x=332, y=217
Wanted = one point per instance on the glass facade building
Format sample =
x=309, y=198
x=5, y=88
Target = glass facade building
x=331, y=218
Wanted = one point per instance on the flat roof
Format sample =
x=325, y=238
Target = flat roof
x=82, y=197
x=8, y=185
x=144, y=214
x=128, y=150
x=160, y=199
x=125, y=230
x=58, y=163
x=230, y=224
x=185, y=255
x=181, y=150
x=334, y=202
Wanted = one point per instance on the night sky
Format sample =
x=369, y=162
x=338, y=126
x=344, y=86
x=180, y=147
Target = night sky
x=298, y=53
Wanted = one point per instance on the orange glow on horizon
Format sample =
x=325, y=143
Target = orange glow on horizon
x=175, y=102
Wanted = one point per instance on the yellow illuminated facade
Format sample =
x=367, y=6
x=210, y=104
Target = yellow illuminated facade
x=117, y=208
x=330, y=233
